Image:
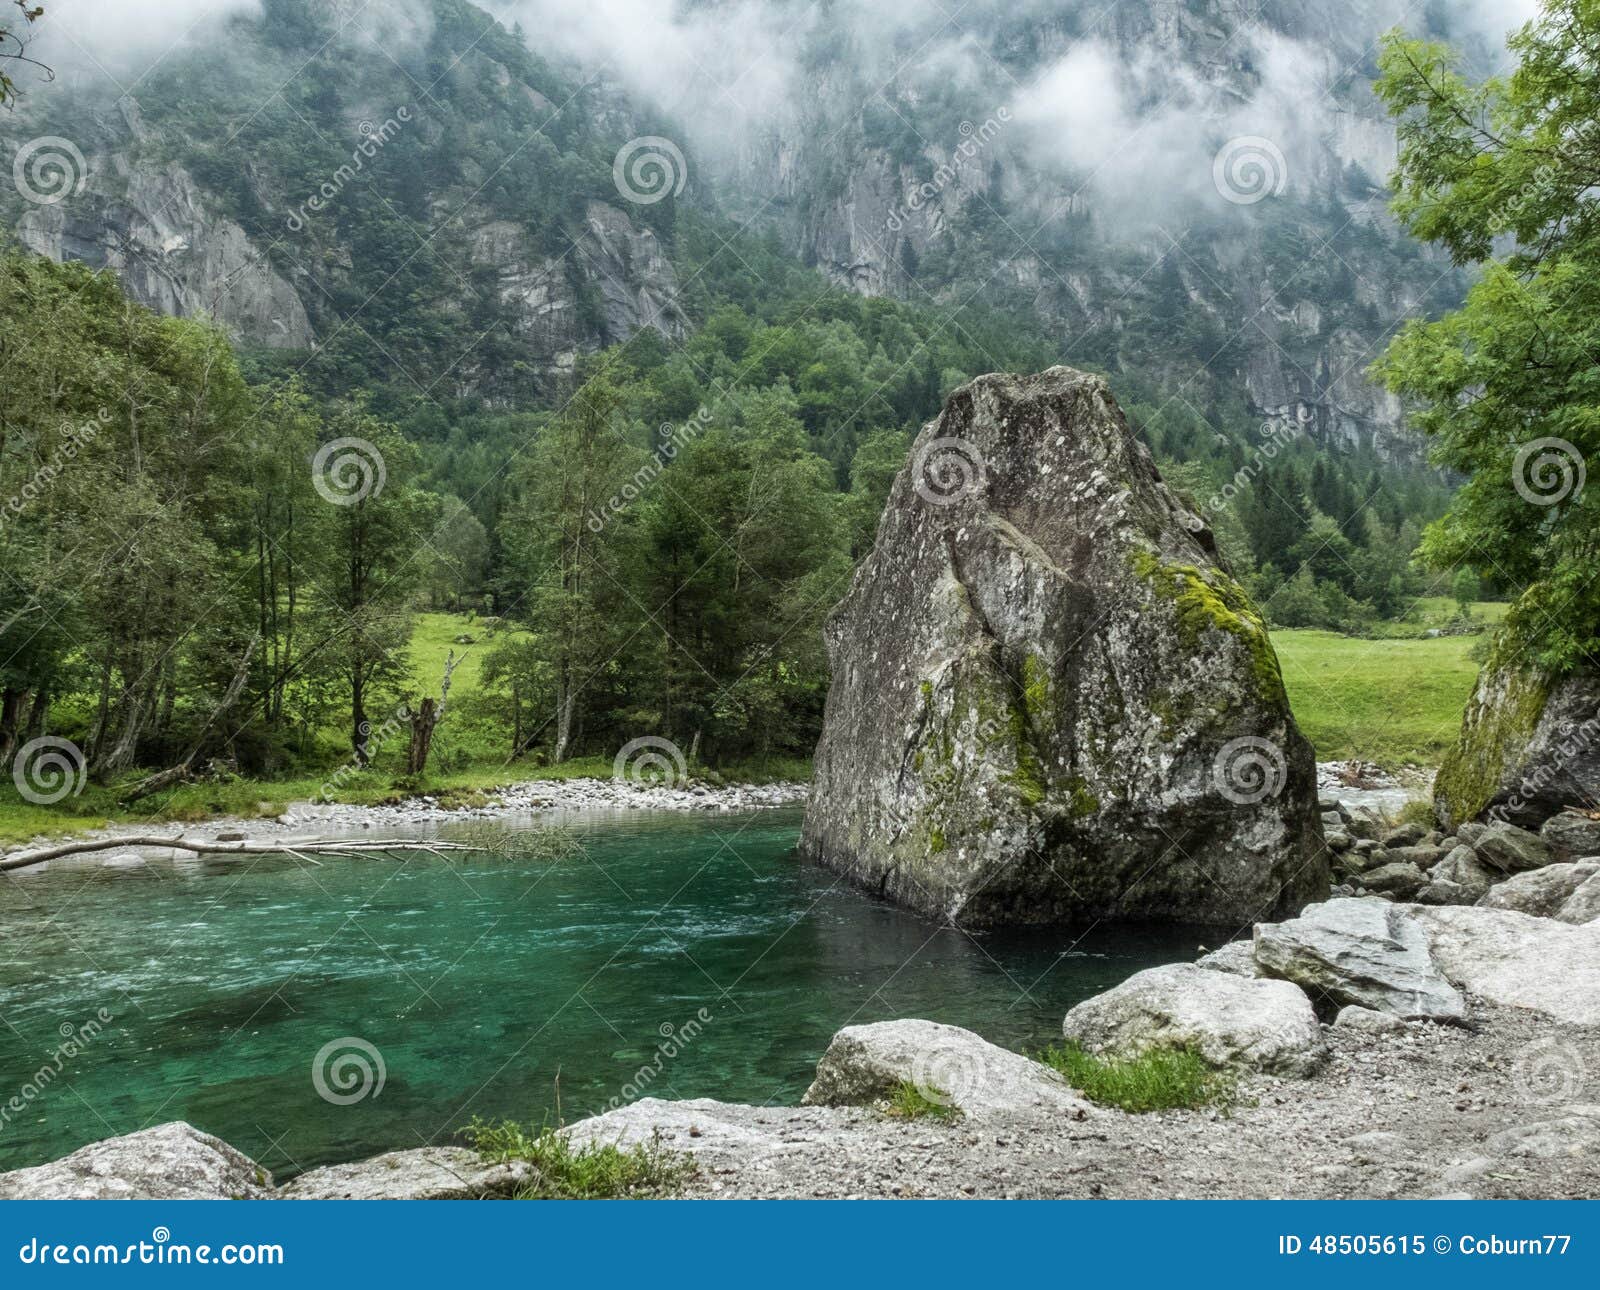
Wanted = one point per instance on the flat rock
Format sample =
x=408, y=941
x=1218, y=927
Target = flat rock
x=1364, y=952
x=1540, y=892
x=426, y=1173
x=947, y=1065
x=1229, y=1020
x=1424, y=855
x=1583, y=906
x=1512, y=850
x=168, y=1162
x=1516, y=959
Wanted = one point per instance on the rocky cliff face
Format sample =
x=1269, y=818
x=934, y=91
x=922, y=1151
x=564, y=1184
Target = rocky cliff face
x=1048, y=702
x=148, y=223
x=467, y=243
x=946, y=173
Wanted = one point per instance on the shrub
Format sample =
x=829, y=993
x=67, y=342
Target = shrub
x=1159, y=1080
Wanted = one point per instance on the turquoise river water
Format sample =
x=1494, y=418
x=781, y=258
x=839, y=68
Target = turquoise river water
x=696, y=949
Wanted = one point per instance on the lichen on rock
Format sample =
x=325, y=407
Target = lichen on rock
x=1047, y=687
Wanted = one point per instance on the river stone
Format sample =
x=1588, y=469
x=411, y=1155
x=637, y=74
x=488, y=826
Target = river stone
x=1368, y=1021
x=1424, y=855
x=1511, y=849
x=1571, y=836
x=947, y=1065
x=1226, y=1019
x=1401, y=881
x=1583, y=906
x=1540, y=892
x=1516, y=959
x=1365, y=952
x=1463, y=867
x=426, y=1173
x=168, y=1162
x=1049, y=702
x=1441, y=891
x=1529, y=746
x=1404, y=835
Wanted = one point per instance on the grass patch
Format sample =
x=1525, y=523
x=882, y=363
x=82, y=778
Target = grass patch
x=594, y=1171
x=1393, y=702
x=908, y=1102
x=1160, y=1080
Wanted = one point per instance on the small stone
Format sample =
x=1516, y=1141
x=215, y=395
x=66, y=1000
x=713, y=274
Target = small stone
x=1367, y=1020
x=1401, y=881
x=1405, y=835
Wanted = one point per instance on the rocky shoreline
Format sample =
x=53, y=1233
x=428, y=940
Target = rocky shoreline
x=1380, y=1049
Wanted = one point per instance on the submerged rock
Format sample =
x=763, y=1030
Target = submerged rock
x=1364, y=952
x=1226, y=1019
x=169, y=1162
x=947, y=1065
x=1048, y=700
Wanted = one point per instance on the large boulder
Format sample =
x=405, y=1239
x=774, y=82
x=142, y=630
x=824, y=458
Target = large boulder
x=1517, y=960
x=1362, y=951
x=1049, y=702
x=947, y=1065
x=1541, y=892
x=168, y=1162
x=1529, y=745
x=1227, y=1019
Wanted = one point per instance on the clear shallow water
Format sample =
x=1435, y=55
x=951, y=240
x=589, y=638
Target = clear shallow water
x=488, y=989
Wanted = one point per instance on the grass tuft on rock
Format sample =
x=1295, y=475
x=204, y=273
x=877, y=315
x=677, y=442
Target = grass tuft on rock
x=592, y=1171
x=1160, y=1080
x=908, y=1102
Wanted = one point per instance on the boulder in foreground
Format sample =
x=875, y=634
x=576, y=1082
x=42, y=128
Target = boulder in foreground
x=168, y=1162
x=1226, y=1019
x=947, y=1065
x=1361, y=951
x=1517, y=960
x=423, y=1173
x=1049, y=702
